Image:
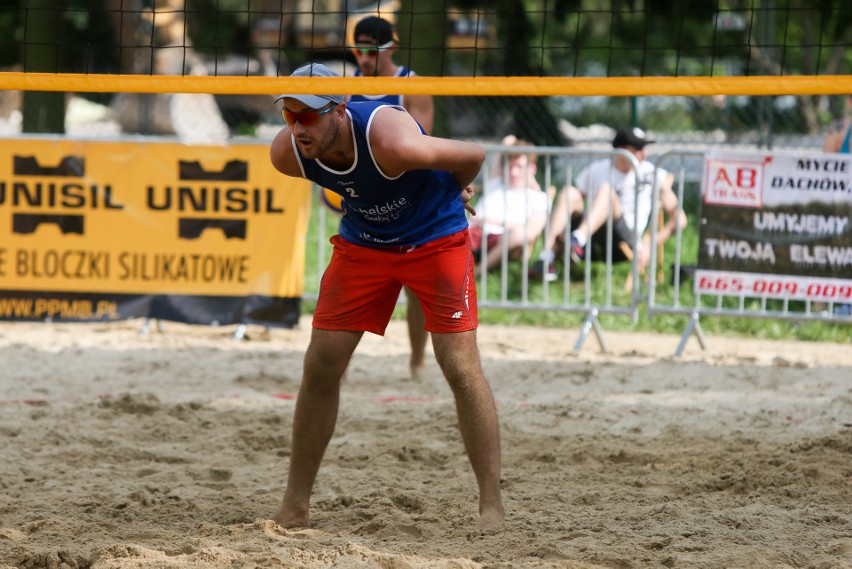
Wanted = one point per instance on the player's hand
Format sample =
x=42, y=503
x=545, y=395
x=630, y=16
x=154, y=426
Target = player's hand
x=466, y=196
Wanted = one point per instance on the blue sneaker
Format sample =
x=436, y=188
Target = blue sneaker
x=578, y=252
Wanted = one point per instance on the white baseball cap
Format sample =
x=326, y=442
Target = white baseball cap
x=314, y=101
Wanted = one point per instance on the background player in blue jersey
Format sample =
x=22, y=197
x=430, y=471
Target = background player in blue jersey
x=404, y=224
x=375, y=44
x=839, y=139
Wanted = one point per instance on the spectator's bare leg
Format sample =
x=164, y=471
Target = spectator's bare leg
x=599, y=211
x=567, y=203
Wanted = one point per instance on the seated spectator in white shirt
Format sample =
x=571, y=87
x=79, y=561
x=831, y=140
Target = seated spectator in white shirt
x=513, y=207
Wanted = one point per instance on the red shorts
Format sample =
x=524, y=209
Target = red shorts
x=361, y=285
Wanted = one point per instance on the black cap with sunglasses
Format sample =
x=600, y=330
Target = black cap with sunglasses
x=374, y=30
x=314, y=101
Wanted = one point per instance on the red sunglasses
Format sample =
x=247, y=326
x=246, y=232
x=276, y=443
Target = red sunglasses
x=305, y=118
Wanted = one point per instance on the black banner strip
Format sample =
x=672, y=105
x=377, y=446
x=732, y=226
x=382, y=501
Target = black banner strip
x=39, y=306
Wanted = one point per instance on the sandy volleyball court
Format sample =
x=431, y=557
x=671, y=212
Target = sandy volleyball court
x=122, y=451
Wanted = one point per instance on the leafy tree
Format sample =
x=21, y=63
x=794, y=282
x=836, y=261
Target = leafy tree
x=515, y=30
x=418, y=49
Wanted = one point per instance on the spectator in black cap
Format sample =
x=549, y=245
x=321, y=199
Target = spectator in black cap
x=375, y=45
x=601, y=182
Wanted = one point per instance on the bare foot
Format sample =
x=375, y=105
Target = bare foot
x=292, y=519
x=491, y=517
x=417, y=371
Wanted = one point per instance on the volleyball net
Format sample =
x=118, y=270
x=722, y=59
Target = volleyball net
x=797, y=54
x=699, y=75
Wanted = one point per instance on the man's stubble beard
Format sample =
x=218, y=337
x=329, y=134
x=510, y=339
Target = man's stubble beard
x=327, y=141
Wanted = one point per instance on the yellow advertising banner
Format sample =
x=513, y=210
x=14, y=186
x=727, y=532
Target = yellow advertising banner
x=116, y=220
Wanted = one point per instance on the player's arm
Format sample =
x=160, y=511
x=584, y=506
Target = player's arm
x=399, y=146
x=833, y=140
x=422, y=108
x=283, y=155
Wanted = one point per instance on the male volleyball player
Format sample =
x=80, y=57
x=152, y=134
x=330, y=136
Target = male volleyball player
x=375, y=45
x=404, y=223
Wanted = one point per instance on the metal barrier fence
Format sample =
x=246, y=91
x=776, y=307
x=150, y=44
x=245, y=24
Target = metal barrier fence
x=600, y=286
x=679, y=298
x=591, y=288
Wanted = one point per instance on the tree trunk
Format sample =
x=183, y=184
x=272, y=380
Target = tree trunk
x=422, y=37
x=43, y=112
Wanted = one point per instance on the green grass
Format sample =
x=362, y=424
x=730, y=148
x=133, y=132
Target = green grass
x=765, y=328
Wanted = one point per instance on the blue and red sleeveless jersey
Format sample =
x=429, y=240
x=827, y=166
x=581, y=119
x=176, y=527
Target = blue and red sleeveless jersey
x=416, y=207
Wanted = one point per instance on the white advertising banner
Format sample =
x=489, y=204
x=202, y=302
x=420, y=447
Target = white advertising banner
x=776, y=225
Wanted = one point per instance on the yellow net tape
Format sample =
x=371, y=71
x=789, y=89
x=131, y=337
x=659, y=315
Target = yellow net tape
x=439, y=86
